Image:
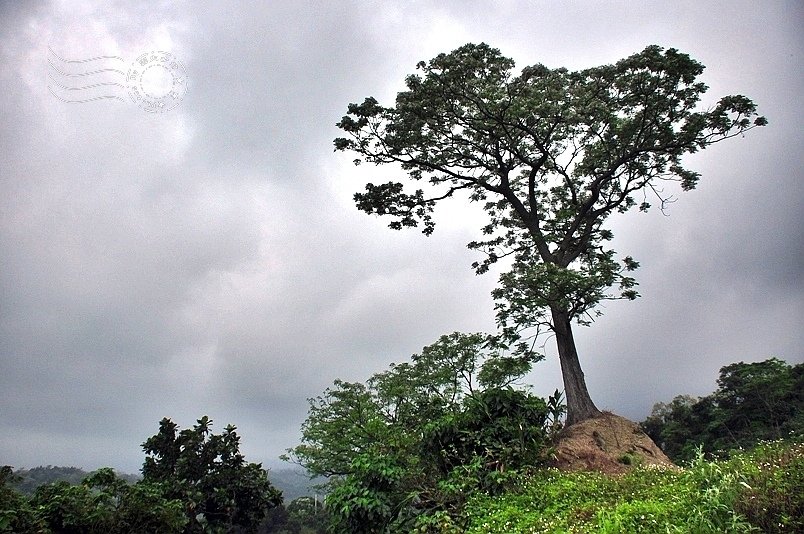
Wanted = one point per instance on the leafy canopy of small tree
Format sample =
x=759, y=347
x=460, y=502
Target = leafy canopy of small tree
x=418, y=438
x=353, y=418
x=550, y=154
x=207, y=472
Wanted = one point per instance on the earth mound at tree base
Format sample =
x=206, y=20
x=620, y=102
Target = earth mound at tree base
x=606, y=444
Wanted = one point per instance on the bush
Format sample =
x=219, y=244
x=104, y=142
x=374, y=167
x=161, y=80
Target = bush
x=104, y=503
x=371, y=498
x=503, y=427
x=773, y=497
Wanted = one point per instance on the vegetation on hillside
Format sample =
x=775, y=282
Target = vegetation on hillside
x=424, y=447
x=754, y=402
x=416, y=440
x=30, y=479
x=448, y=443
x=193, y=481
x=757, y=491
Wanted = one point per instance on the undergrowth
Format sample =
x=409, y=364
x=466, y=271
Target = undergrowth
x=757, y=491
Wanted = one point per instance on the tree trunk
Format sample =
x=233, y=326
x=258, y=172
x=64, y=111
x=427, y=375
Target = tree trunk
x=579, y=403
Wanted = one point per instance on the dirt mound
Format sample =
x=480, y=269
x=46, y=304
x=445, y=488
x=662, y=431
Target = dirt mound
x=608, y=444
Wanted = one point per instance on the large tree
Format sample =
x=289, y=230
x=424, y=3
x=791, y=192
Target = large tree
x=550, y=154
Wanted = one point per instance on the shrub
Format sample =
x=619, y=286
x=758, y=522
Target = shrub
x=773, y=497
x=502, y=427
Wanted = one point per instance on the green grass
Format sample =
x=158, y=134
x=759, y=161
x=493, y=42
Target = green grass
x=758, y=491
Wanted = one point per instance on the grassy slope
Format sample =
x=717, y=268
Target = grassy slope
x=758, y=491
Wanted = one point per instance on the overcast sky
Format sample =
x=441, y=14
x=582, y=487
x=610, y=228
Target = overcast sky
x=209, y=259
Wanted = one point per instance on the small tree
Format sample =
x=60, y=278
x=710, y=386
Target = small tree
x=207, y=472
x=392, y=407
x=416, y=439
x=550, y=154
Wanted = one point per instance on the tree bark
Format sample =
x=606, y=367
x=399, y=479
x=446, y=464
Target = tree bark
x=579, y=403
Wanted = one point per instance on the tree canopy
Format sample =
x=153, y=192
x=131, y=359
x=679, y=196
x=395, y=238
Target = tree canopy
x=100, y=503
x=550, y=154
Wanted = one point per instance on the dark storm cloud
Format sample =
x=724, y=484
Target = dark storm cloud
x=209, y=260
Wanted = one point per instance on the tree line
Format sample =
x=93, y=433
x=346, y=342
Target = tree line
x=754, y=402
x=193, y=481
x=404, y=451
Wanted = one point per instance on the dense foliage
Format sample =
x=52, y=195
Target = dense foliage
x=550, y=155
x=752, y=492
x=16, y=514
x=208, y=474
x=413, y=442
x=753, y=402
x=102, y=503
x=193, y=481
x=424, y=448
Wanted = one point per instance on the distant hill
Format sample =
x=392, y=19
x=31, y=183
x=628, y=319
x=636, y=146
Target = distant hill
x=293, y=482
x=35, y=477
